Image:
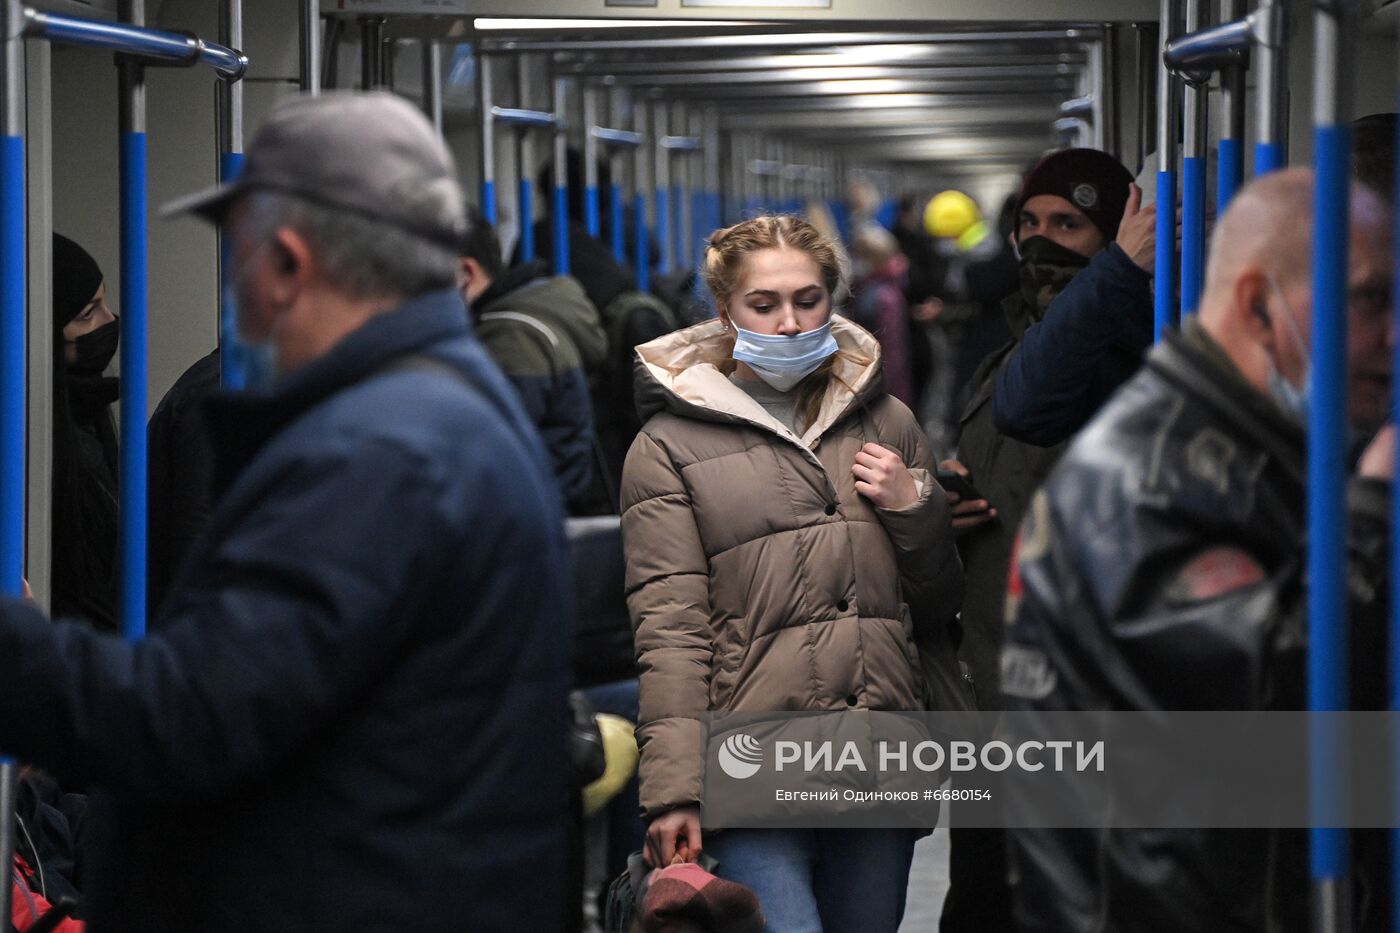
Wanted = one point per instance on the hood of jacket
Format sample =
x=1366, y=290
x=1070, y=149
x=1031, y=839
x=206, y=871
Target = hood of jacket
x=558, y=301
x=687, y=373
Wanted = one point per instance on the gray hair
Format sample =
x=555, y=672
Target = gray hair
x=360, y=255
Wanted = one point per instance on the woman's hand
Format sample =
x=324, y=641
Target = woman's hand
x=672, y=831
x=883, y=478
x=967, y=514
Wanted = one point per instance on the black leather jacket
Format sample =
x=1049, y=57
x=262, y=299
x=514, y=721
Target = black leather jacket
x=1160, y=567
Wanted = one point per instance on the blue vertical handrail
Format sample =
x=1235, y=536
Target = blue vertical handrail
x=1268, y=157
x=592, y=218
x=678, y=227
x=559, y=217
x=12, y=362
x=617, y=209
x=488, y=202
x=643, y=245
x=1164, y=284
x=527, y=218
x=1326, y=521
x=1230, y=173
x=664, y=239
x=232, y=369
x=1193, y=236
x=133, y=372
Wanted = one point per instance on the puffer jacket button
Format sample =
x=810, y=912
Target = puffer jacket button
x=852, y=700
x=831, y=508
x=842, y=606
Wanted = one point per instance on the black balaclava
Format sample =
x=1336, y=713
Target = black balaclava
x=85, y=522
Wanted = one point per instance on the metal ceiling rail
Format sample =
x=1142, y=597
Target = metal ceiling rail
x=516, y=116
x=791, y=40
x=662, y=76
x=931, y=104
x=780, y=63
x=170, y=48
x=871, y=91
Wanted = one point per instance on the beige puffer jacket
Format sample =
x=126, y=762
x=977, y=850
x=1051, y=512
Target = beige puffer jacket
x=758, y=579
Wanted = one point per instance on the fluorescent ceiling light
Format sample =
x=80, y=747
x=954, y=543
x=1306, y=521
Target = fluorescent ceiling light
x=495, y=23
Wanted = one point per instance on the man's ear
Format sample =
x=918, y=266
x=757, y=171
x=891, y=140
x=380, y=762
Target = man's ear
x=1251, y=300
x=293, y=259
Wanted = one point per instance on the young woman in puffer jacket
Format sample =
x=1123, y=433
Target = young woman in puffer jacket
x=780, y=517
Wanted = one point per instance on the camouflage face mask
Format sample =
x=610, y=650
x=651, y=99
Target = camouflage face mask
x=1046, y=268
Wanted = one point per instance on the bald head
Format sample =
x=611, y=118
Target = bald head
x=1257, y=302
x=1267, y=227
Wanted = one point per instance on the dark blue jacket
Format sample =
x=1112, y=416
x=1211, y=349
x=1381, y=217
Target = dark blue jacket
x=1092, y=338
x=352, y=714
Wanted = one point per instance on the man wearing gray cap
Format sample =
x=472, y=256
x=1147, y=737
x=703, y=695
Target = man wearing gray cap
x=351, y=712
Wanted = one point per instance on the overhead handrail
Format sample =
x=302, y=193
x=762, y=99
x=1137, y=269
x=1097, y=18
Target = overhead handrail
x=516, y=116
x=172, y=48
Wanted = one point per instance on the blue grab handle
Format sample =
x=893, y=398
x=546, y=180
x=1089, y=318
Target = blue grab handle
x=643, y=256
x=1326, y=520
x=133, y=397
x=1164, y=307
x=527, y=220
x=1193, y=232
x=232, y=374
x=1268, y=157
x=488, y=202
x=12, y=363
x=591, y=218
x=619, y=235
x=1231, y=173
x=663, y=231
x=560, y=217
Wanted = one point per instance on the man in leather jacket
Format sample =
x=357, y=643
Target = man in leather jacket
x=1160, y=568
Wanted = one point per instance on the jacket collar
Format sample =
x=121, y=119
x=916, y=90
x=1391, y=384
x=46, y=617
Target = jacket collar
x=1192, y=359
x=687, y=372
x=242, y=423
x=513, y=278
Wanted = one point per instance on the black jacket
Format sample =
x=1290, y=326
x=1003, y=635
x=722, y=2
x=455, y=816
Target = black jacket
x=352, y=716
x=180, y=476
x=1123, y=605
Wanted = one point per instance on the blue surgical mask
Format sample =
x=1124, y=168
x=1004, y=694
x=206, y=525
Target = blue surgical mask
x=248, y=365
x=784, y=361
x=1294, y=399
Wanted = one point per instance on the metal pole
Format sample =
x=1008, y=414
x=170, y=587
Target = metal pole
x=713, y=217
x=1147, y=46
x=591, y=219
x=488, y=136
x=1164, y=313
x=1230, y=160
x=12, y=368
x=133, y=338
x=1108, y=90
x=559, y=212
x=432, y=82
x=616, y=207
x=309, y=32
x=1327, y=416
x=371, y=52
x=641, y=182
x=1094, y=75
x=1193, y=178
x=524, y=165
x=1271, y=52
x=662, y=186
x=232, y=372
x=683, y=219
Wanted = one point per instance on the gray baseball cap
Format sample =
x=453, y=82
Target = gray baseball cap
x=373, y=154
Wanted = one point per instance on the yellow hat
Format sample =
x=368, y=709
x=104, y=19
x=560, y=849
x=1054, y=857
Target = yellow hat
x=950, y=214
x=620, y=752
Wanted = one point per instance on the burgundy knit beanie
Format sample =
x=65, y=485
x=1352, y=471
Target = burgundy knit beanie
x=1093, y=181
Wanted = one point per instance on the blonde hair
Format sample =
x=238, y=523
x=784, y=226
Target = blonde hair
x=724, y=259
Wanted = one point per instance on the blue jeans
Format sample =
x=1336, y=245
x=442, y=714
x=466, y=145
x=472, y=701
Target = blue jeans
x=820, y=880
